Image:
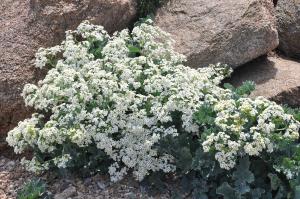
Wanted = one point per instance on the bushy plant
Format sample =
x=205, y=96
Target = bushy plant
x=34, y=189
x=126, y=103
x=246, y=150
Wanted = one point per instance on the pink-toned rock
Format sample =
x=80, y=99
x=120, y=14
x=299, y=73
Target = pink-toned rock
x=288, y=22
x=227, y=31
x=276, y=78
x=27, y=25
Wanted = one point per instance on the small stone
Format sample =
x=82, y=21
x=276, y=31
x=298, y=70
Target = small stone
x=101, y=185
x=2, y=162
x=10, y=165
x=130, y=195
x=67, y=193
x=2, y=194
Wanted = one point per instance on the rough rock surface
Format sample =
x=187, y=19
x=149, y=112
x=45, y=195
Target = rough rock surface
x=231, y=31
x=276, y=78
x=27, y=25
x=288, y=19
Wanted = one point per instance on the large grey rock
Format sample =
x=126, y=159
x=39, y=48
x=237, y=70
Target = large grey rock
x=227, y=31
x=27, y=25
x=288, y=18
x=276, y=78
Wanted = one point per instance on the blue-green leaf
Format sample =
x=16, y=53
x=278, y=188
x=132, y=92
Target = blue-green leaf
x=297, y=192
x=227, y=191
x=243, y=176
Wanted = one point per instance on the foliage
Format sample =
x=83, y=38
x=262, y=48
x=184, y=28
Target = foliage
x=244, y=90
x=126, y=104
x=270, y=174
x=34, y=189
x=293, y=111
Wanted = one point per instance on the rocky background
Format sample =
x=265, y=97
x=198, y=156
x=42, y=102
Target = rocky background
x=260, y=39
x=27, y=25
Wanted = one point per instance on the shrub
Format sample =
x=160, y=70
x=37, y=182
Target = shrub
x=126, y=103
x=33, y=189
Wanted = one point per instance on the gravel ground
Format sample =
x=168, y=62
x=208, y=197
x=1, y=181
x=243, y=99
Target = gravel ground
x=13, y=176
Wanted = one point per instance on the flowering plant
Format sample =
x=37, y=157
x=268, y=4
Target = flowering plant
x=127, y=103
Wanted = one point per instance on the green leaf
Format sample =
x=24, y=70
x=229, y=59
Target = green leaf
x=281, y=193
x=199, y=195
x=275, y=181
x=244, y=90
x=185, y=159
x=205, y=115
x=256, y=193
x=243, y=176
x=227, y=191
x=133, y=49
x=33, y=189
x=242, y=172
x=297, y=192
x=200, y=189
x=293, y=111
x=229, y=86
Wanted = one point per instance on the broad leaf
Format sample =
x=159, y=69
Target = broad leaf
x=133, y=49
x=297, y=192
x=227, y=191
x=243, y=176
x=257, y=193
x=275, y=181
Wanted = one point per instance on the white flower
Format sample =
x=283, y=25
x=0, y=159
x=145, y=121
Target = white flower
x=119, y=95
x=61, y=162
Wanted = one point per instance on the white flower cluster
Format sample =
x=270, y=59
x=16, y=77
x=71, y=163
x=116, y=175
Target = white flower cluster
x=248, y=126
x=25, y=134
x=119, y=94
x=45, y=56
x=34, y=165
x=121, y=103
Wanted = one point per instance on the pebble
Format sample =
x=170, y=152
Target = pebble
x=101, y=185
x=67, y=193
x=10, y=165
x=87, y=181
